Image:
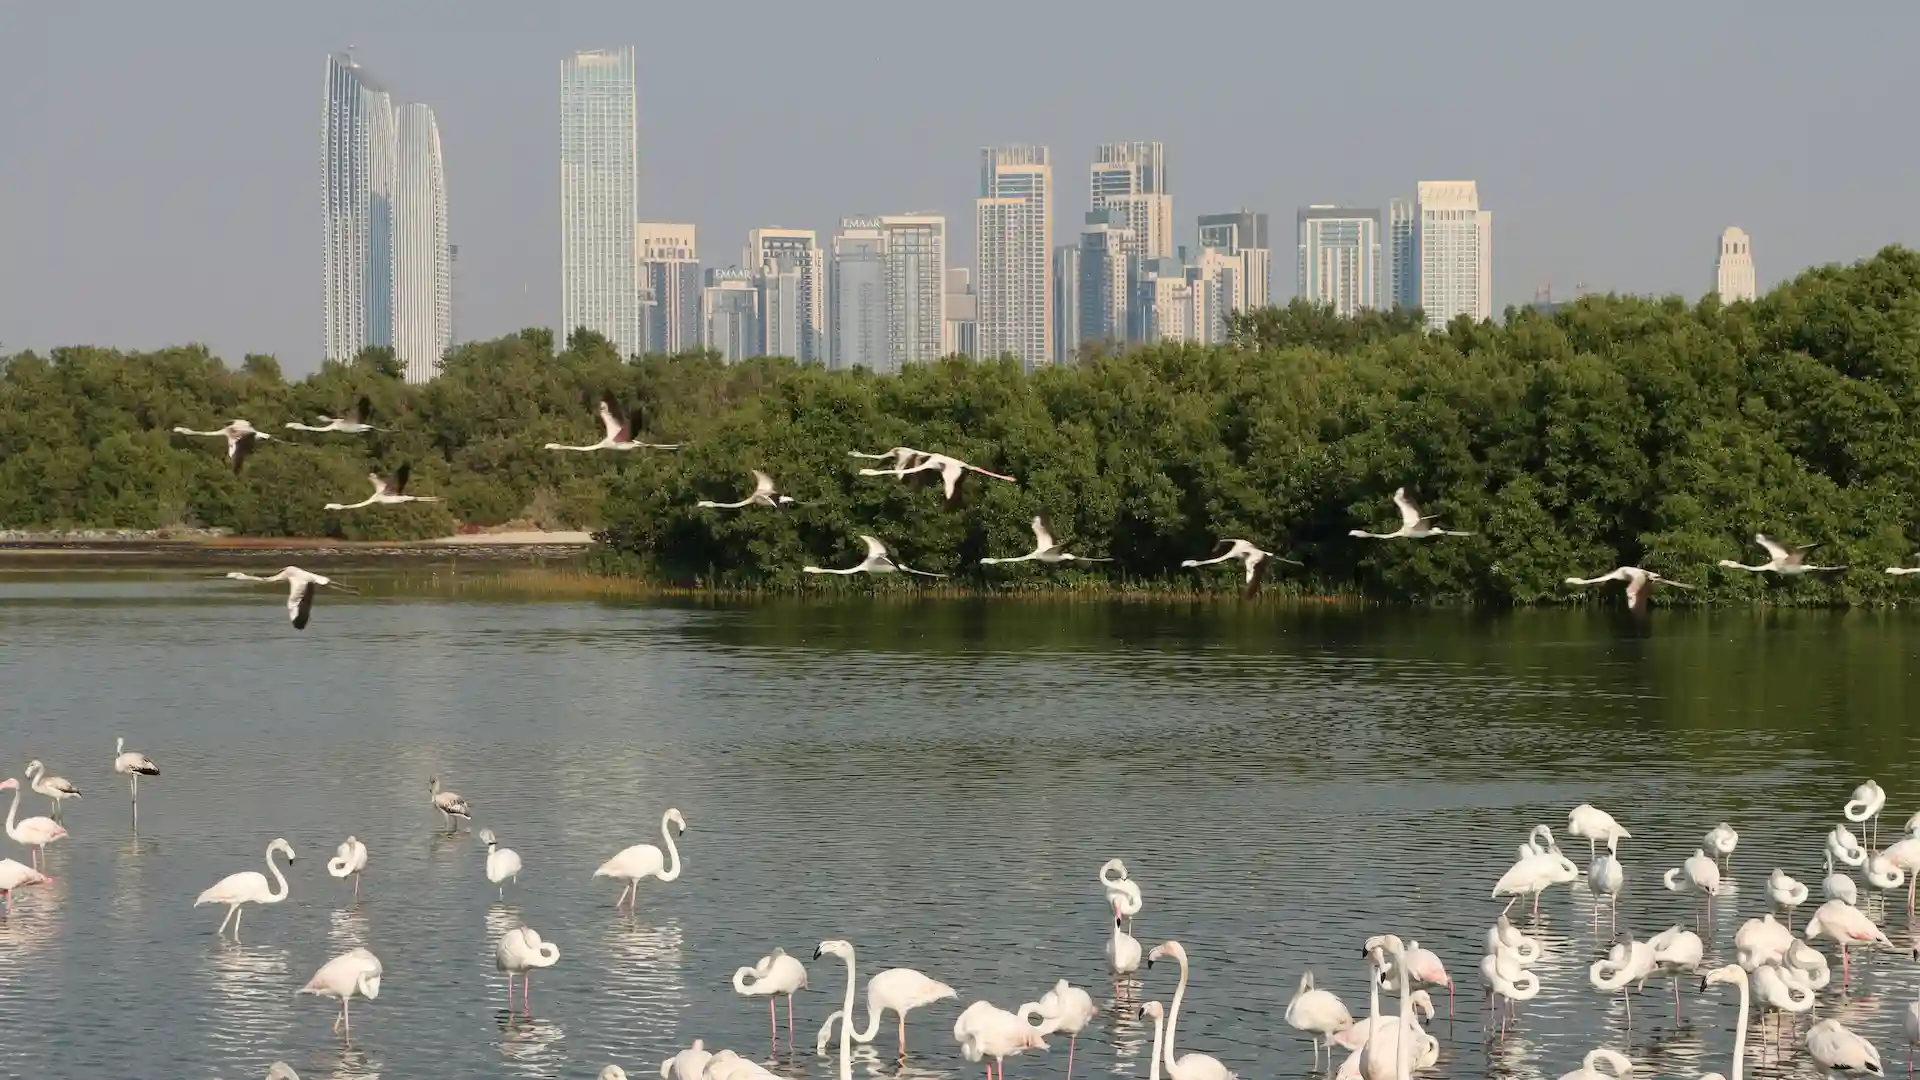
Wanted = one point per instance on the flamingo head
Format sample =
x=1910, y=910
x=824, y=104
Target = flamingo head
x=673, y=815
x=1732, y=974
x=369, y=984
x=487, y=837
x=9, y=784
x=834, y=947
x=1167, y=948
x=1356, y=532
x=281, y=845
x=1153, y=1009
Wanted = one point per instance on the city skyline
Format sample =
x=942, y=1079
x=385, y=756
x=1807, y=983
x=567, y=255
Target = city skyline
x=214, y=241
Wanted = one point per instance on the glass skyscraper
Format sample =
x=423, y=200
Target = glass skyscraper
x=599, y=197
x=357, y=159
x=422, y=256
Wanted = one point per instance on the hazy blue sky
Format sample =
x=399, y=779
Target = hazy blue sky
x=159, y=162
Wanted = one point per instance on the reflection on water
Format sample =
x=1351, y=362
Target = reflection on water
x=936, y=782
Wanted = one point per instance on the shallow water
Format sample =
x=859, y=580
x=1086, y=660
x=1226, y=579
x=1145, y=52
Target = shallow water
x=936, y=782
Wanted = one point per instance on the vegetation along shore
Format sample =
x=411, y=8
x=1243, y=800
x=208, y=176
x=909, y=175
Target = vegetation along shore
x=1614, y=431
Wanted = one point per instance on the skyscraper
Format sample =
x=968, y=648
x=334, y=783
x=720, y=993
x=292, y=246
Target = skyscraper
x=1131, y=180
x=1220, y=286
x=1733, y=270
x=961, y=336
x=1066, y=302
x=599, y=196
x=1242, y=234
x=1163, y=305
x=669, y=263
x=1403, y=256
x=357, y=173
x=1339, y=262
x=422, y=255
x=795, y=251
x=1013, y=221
x=1103, y=263
x=916, y=287
x=859, y=304
x=730, y=307
x=1455, y=241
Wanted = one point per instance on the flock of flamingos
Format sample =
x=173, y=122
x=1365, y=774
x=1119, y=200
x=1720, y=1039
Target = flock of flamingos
x=1775, y=963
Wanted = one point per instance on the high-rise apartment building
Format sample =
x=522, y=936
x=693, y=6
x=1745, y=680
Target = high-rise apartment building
x=669, y=262
x=1339, y=260
x=1013, y=222
x=1220, y=281
x=1455, y=240
x=916, y=287
x=859, y=303
x=1242, y=235
x=599, y=196
x=961, y=334
x=357, y=149
x=1403, y=256
x=730, y=307
x=422, y=254
x=1164, y=306
x=795, y=251
x=1066, y=303
x=1733, y=270
x=1105, y=254
x=1130, y=179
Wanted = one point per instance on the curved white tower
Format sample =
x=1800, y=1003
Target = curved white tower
x=356, y=170
x=422, y=257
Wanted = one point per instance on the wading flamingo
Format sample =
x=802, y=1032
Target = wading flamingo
x=1834, y=1047
x=1846, y=925
x=985, y=1030
x=1677, y=951
x=1785, y=892
x=1865, y=806
x=18, y=875
x=645, y=861
x=1123, y=950
x=133, y=764
x=34, y=832
x=518, y=952
x=451, y=804
x=1737, y=976
x=1503, y=935
x=1064, y=1008
x=771, y=976
x=57, y=789
x=1720, y=842
x=1838, y=886
x=1318, y=1013
x=248, y=887
x=1121, y=889
x=1699, y=875
x=503, y=864
x=1533, y=875
x=1389, y=1053
x=1605, y=878
x=1203, y=1066
x=1617, y=1065
x=1596, y=825
x=900, y=989
x=349, y=859
x=356, y=971
x=689, y=1064
x=1628, y=962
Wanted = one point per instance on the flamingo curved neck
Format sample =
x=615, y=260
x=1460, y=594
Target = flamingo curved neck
x=1159, y=1024
x=1173, y=1014
x=11, y=809
x=846, y=1022
x=1403, y=1040
x=1740, y=1032
x=272, y=897
x=673, y=853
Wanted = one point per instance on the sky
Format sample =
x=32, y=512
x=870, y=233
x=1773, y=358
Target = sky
x=159, y=163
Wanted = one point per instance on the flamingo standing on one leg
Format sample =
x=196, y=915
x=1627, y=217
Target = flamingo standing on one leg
x=133, y=764
x=1846, y=925
x=1064, y=1008
x=349, y=859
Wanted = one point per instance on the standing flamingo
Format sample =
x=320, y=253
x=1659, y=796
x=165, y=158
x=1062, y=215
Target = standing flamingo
x=248, y=887
x=1064, y=1008
x=451, y=804
x=356, y=971
x=1318, y=1013
x=18, y=875
x=1121, y=889
x=35, y=832
x=1618, y=1066
x=1721, y=840
x=1865, y=806
x=134, y=764
x=502, y=863
x=900, y=989
x=1737, y=975
x=518, y=952
x=1785, y=892
x=1202, y=1066
x=644, y=861
x=1123, y=950
x=348, y=860
x=771, y=976
x=1605, y=878
x=1596, y=825
x=1834, y=1047
x=1846, y=925
x=1700, y=876
x=58, y=789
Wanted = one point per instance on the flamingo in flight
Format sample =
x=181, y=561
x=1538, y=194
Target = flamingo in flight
x=240, y=436
x=901, y=456
x=387, y=491
x=301, y=586
x=1413, y=524
x=57, y=789
x=1639, y=582
x=876, y=562
x=354, y=422
x=622, y=430
x=1045, y=548
x=35, y=832
x=1253, y=561
x=451, y=804
x=1912, y=567
x=950, y=469
x=1780, y=560
x=763, y=495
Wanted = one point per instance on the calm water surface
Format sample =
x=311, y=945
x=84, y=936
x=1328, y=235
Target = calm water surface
x=936, y=782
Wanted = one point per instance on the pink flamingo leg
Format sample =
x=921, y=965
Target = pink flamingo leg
x=773, y=1026
x=526, y=992
x=1074, y=1040
x=789, y=1021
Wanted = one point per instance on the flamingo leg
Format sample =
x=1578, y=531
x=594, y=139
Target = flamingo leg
x=346, y=1016
x=1074, y=1040
x=231, y=911
x=789, y=1022
x=1846, y=971
x=236, y=924
x=1626, y=999
x=902, y=1017
x=773, y=1025
x=356, y=885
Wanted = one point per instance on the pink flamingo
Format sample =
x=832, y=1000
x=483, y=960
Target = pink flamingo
x=34, y=832
x=18, y=875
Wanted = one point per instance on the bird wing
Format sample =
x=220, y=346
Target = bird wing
x=762, y=483
x=300, y=603
x=400, y=478
x=1409, y=513
x=1767, y=542
x=1256, y=573
x=361, y=412
x=239, y=445
x=1042, y=533
x=614, y=419
x=379, y=484
x=1637, y=586
x=875, y=549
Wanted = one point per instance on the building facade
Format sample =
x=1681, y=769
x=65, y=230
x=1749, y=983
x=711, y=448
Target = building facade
x=916, y=287
x=859, y=298
x=730, y=307
x=1733, y=272
x=1105, y=255
x=1130, y=179
x=1013, y=220
x=1339, y=258
x=1403, y=256
x=599, y=197
x=1454, y=238
x=1066, y=303
x=1220, y=279
x=357, y=141
x=669, y=261
x=798, y=252
x=961, y=335
x=422, y=252
x=1243, y=235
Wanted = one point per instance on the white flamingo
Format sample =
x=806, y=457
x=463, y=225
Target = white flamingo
x=1910, y=1027
x=241, y=437
x=632, y=864
x=689, y=1064
x=1699, y=875
x=1533, y=875
x=1838, y=886
x=302, y=585
x=899, y=989
x=985, y=1030
x=1606, y=877
x=387, y=491
x=1737, y=975
x=451, y=804
x=134, y=765
x=1201, y=1066
x=1503, y=936
x=901, y=456
x=1785, y=892
x=35, y=833
x=248, y=887
x=58, y=789
x=771, y=976
x=1389, y=1053
x=1596, y=825
x=349, y=859
x=1904, y=855
x=949, y=468
x=622, y=430
x=18, y=875
x=763, y=495
x=1064, y=1008
x=1317, y=1012
x=1782, y=989
x=1834, y=1047
x=1846, y=925
x=1617, y=1065
x=1628, y=962
x=1424, y=967
x=1639, y=582
x=1677, y=951
x=1045, y=548
x=356, y=971
x=1780, y=560
x=1720, y=841
x=1913, y=567
x=1865, y=806
x=1123, y=950
x=518, y=952
x=1762, y=940
x=280, y=1070
x=876, y=562
x=1413, y=524
x=354, y=422
x=503, y=864
x=1121, y=889
x=1844, y=848
x=1507, y=980
x=1253, y=561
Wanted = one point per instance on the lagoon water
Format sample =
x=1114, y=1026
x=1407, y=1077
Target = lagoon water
x=937, y=782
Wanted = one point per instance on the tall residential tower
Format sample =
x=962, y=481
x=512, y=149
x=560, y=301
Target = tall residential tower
x=1013, y=222
x=1339, y=258
x=669, y=262
x=1455, y=242
x=356, y=159
x=1733, y=270
x=422, y=254
x=599, y=197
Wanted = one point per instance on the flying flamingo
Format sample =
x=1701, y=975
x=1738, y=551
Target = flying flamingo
x=1121, y=889
x=900, y=989
x=240, y=436
x=353, y=423
x=301, y=587
x=387, y=491
x=763, y=495
x=35, y=832
x=1596, y=825
x=58, y=789
x=1902, y=571
x=1846, y=925
x=1319, y=1013
x=451, y=804
x=349, y=859
x=1201, y=1066
x=771, y=976
x=644, y=861
x=1045, y=548
x=901, y=456
x=519, y=951
x=356, y=971
x=134, y=764
x=1413, y=524
x=1064, y=1008
x=18, y=875
x=1780, y=560
x=950, y=470
x=1638, y=583
x=1785, y=892
x=248, y=887
x=1253, y=561
x=622, y=430
x=1865, y=806
x=1834, y=1047
x=876, y=562
x=1699, y=875
x=502, y=863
